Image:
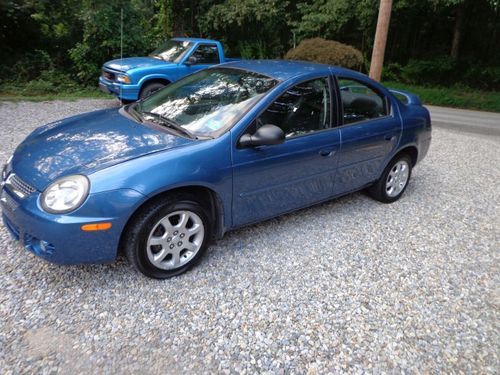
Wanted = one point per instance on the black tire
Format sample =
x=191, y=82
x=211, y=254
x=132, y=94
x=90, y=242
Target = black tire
x=379, y=190
x=150, y=88
x=137, y=232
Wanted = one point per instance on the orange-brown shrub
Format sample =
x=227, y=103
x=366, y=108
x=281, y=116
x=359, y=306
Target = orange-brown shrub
x=327, y=52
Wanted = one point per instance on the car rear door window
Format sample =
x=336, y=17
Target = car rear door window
x=302, y=109
x=207, y=54
x=361, y=102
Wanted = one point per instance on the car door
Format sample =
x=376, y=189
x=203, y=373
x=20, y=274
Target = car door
x=370, y=131
x=206, y=54
x=270, y=180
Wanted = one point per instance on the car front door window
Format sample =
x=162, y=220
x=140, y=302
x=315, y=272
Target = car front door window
x=302, y=109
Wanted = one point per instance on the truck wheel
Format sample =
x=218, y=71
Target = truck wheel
x=150, y=88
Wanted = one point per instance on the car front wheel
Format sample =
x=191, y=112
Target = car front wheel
x=167, y=239
x=150, y=88
x=393, y=182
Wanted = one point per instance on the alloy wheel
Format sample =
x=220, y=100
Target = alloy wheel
x=397, y=178
x=175, y=240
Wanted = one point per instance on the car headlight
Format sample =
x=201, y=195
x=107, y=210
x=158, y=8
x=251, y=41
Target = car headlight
x=66, y=194
x=123, y=78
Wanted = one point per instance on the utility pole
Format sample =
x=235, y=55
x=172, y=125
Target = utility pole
x=384, y=18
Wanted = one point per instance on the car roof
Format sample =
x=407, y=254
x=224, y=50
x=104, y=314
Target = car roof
x=286, y=69
x=194, y=39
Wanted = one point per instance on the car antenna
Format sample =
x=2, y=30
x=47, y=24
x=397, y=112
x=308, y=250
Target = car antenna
x=121, y=49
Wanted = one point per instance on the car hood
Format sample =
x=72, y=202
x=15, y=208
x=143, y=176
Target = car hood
x=85, y=143
x=128, y=63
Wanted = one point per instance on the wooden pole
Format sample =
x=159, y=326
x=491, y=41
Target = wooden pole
x=384, y=18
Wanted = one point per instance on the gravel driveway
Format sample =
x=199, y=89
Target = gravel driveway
x=348, y=286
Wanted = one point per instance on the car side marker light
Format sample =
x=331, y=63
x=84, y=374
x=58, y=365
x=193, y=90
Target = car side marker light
x=95, y=227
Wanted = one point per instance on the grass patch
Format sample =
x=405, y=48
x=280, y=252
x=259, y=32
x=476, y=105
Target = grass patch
x=73, y=95
x=49, y=85
x=456, y=97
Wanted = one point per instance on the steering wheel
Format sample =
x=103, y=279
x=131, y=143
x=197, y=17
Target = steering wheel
x=287, y=123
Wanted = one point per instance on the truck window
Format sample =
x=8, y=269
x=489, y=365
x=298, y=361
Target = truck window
x=207, y=54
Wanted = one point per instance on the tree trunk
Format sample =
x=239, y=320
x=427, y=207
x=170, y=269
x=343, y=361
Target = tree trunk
x=384, y=18
x=168, y=10
x=457, y=31
x=493, y=40
x=178, y=17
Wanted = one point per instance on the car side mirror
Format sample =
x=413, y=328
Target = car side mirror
x=266, y=135
x=192, y=60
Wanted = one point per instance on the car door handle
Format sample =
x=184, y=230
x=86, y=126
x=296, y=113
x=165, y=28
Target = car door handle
x=327, y=153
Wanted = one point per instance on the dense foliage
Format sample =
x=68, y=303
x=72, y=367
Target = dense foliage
x=433, y=41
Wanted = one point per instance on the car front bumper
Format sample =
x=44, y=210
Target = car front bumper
x=122, y=91
x=59, y=238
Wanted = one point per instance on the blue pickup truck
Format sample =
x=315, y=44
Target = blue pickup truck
x=135, y=78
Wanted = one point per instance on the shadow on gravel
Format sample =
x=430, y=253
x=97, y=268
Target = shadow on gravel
x=235, y=244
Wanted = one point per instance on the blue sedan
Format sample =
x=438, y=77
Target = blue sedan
x=222, y=148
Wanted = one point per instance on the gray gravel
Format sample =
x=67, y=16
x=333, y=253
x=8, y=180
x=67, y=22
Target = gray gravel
x=348, y=286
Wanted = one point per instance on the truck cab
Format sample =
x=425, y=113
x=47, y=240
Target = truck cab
x=133, y=78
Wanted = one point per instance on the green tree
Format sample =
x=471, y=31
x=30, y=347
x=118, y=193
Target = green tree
x=102, y=39
x=348, y=21
x=76, y=36
x=252, y=28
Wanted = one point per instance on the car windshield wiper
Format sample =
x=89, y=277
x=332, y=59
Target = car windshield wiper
x=169, y=123
x=130, y=109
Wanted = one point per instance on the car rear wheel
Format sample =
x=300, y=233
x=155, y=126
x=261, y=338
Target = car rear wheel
x=393, y=182
x=167, y=239
x=150, y=88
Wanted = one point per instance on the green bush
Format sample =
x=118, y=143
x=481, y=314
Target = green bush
x=48, y=82
x=444, y=71
x=326, y=52
x=392, y=72
x=252, y=49
x=483, y=77
x=29, y=66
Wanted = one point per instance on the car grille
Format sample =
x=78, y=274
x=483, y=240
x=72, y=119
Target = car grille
x=8, y=201
x=108, y=75
x=18, y=186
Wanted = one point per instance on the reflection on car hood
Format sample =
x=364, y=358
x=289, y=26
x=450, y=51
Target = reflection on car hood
x=86, y=143
x=128, y=63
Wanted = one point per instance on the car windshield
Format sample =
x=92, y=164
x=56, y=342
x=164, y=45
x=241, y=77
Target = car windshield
x=208, y=102
x=172, y=50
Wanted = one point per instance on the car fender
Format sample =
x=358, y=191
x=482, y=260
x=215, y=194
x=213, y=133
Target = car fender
x=150, y=77
x=184, y=166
